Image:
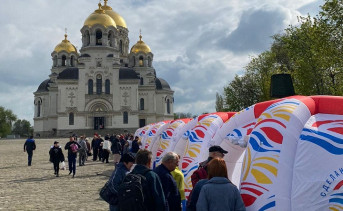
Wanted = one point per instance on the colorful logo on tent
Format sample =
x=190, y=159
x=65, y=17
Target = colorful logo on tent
x=328, y=136
x=336, y=199
x=239, y=133
x=251, y=192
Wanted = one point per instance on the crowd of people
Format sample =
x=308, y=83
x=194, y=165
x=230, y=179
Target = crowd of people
x=133, y=185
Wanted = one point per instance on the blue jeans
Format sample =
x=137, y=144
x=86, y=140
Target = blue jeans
x=72, y=163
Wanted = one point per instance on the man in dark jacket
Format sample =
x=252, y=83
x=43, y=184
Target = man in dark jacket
x=135, y=146
x=95, y=147
x=72, y=155
x=116, y=149
x=154, y=200
x=56, y=156
x=29, y=146
x=171, y=192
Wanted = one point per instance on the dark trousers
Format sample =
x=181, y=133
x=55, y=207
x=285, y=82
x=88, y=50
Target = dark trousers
x=105, y=154
x=95, y=153
x=100, y=153
x=72, y=163
x=29, y=157
x=82, y=158
x=56, y=166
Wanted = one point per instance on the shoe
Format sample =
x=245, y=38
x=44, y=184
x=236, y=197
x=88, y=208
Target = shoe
x=57, y=175
x=73, y=175
x=69, y=173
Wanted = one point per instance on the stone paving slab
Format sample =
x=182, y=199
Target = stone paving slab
x=35, y=187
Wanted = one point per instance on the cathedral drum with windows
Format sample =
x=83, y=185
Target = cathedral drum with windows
x=104, y=86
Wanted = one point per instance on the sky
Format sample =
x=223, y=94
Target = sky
x=198, y=46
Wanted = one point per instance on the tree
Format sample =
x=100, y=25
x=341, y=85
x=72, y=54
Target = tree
x=219, y=103
x=6, y=119
x=181, y=115
x=22, y=128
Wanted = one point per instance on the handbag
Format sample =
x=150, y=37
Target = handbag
x=107, y=195
x=63, y=167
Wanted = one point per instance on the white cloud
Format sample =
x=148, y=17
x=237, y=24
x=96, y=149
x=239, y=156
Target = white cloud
x=186, y=37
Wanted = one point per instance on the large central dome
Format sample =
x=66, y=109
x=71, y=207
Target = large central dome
x=115, y=16
x=99, y=17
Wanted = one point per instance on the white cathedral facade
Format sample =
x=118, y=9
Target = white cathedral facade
x=105, y=87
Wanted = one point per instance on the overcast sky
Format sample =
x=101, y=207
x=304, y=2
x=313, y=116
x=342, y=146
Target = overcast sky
x=198, y=45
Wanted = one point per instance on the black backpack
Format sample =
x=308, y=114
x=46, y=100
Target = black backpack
x=131, y=192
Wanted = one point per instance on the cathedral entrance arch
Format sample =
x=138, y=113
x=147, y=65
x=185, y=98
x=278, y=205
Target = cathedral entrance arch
x=99, y=114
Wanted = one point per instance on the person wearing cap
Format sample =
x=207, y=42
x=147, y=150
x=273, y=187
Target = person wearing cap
x=56, y=156
x=201, y=173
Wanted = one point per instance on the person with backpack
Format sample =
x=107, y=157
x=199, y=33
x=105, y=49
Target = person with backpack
x=218, y=193
x=169, y=162
x=117, y=177
x=29, y=146
x=201, y=172
x=151, y=196
x=72, y=146
x=56, y=156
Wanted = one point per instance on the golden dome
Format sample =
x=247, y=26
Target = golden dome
x=115, y=16
x=65, y=45
x=140, y=46
x=99, y=17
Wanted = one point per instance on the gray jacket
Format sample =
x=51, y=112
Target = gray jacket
x=220, y=194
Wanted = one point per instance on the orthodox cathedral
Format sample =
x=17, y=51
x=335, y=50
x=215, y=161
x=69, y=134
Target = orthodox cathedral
x=105, y=86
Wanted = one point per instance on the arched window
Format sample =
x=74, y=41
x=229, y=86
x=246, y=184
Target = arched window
x=141, y=81
x=121, y=46
x=110, y=39
x=72, y=61
x=38, y=108
x=98, y=35
x=98, y=84
x=64, y=58
x=149, y=61
x=87, y=38
x=71, y=118
x=141, y=102
x=168, y=106
x=125, y=117
x=107, y=86
x=90, y=86
x=141, y=62
x=55, y=61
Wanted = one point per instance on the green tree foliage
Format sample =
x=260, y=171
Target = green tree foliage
x=181, y=115
x=219, y=103
x=6, y=119
x=22, y=128
x=312, y=52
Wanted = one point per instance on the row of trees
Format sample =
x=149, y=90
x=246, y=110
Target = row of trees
x=9, y=124
x=312, y=52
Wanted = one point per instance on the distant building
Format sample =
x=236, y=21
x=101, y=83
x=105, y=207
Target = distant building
x=104, y=86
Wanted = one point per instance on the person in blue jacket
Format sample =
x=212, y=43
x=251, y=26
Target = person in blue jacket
x=218, y=193
x=29, y=146
x=122, y=168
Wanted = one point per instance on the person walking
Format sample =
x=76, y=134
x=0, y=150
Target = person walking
x=95, y=146
x=72, y=146
x=218, y=193
x=82, y=151
x=56, y=156
x=118, y=175
x=169, y=162
x=154, y=199
x=116, y=149
x=29, y=146
x=106, y=148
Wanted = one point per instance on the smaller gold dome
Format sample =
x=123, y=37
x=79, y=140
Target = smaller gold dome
x=99, y=17
x=140, y=46
x=65, y=45
x=115, y=16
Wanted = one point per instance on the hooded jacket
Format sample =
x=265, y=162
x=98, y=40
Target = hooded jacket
x=219, y=194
